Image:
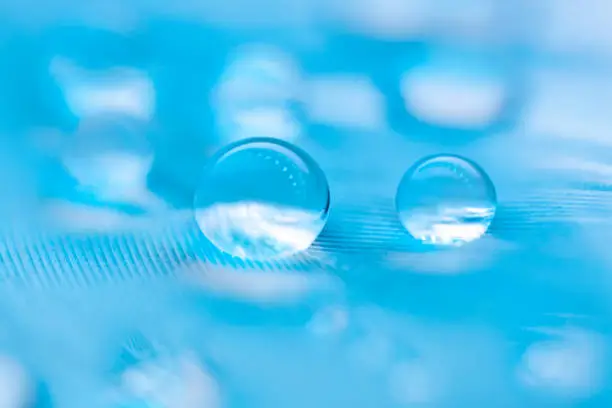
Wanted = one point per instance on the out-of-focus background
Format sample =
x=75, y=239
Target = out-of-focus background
x=112, y=296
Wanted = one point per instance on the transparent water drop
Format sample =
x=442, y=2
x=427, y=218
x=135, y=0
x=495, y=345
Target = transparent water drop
x=248, y=207
x=446, y=200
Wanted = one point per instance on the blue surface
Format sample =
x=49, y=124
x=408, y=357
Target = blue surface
x=367, y=317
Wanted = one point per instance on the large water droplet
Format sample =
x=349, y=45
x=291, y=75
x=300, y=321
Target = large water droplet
x=262, y=198
x=446, y=200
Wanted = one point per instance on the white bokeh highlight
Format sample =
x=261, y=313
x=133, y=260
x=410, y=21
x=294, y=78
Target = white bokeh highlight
x=569, y=365
x=16, y=387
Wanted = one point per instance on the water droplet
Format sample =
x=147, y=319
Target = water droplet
x=446, y=200
x=247, y=206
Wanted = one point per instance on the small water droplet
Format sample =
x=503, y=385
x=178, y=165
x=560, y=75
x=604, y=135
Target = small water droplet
x=248, y=207
x=446, y=200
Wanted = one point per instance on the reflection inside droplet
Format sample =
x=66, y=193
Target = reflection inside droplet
x=262, y=199
x=446, y=200
x=256, y=95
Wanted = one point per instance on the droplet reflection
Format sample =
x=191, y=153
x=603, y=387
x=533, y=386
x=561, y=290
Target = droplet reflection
x=446, y=200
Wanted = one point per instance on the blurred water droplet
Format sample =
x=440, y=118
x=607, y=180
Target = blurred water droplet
x=105, y=165
x=412, y=383
x=110, y=157
x=569, y=364
x=16, y=387
x=263, y=287
x=345, y=100
x=446, y=200
x=117, y=90
x=431, y=91
x=329, y=321
x=247, y=206
x=180, y=382
x=257, y=94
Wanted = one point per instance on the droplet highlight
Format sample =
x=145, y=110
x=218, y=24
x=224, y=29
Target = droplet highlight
x=248, y=206
x=446, y=200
